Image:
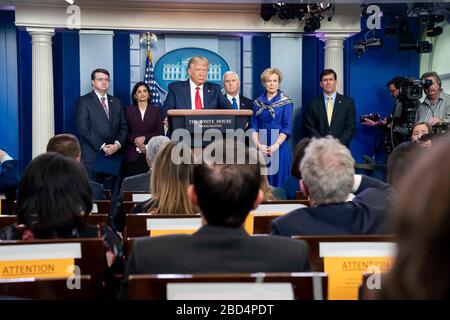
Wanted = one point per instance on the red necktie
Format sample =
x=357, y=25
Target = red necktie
x=198, y=100
x=105, y=107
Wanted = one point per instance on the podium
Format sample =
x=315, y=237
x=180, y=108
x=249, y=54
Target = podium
x=200, y=123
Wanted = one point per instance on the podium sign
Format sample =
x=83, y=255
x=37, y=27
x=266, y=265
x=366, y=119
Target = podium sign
x=198, y=122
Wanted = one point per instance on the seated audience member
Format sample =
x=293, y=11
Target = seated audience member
x=270, y=193
x=168, y=184
x=421, y=269
x=292, y=183
x=68, y=145
x=140, y=182
x=225, y=193
x=53, y=202
x=8, y=173
x=401, y=160
x=420, y=129
x=328, y=177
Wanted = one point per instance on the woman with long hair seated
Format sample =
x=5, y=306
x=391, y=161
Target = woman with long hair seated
x=54, y=201
x=168, y=183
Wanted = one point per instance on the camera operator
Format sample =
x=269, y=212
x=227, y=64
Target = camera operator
x=436, y=106
x=391, y=138
x=393, y=86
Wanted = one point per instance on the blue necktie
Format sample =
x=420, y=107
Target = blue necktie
x=235, y=106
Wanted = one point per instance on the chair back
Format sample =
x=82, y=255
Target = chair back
x=48, y=288
x=304, y=286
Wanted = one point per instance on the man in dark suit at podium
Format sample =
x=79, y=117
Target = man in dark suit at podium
x=332, y=113
x=103, y=130
x=232, y=86
x=195, y=93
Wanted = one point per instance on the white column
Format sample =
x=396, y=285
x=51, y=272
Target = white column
x=334, y=55
x=42, y=74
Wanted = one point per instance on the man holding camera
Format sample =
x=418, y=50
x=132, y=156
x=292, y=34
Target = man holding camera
x=436, y=106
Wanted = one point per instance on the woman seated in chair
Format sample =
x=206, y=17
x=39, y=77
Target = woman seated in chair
x=54, y=201
x=168, y=184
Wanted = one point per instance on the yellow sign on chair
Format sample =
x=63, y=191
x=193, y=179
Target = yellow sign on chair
x=47, y=268
x=38, y=260
x=346, y=262
x=166, y=226
x=345, y=274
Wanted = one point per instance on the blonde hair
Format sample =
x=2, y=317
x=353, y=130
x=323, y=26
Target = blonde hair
x=270, y=71
x=199, y=60
x=169, y=182
x=266, y=189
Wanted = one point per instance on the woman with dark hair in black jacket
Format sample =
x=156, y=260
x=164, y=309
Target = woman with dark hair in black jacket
x=54, y=201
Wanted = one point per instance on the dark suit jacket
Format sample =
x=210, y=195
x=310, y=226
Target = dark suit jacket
x=244, y=102
x=98, y=192
x=366, y=214
x=150, y=127
x=95, y=128
x=215, y=249
x=139, y=182
x=8, y=176
x=343, y=120
x=179, y=97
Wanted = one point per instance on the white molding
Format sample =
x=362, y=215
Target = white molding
x=104, y=32
x=176, y=17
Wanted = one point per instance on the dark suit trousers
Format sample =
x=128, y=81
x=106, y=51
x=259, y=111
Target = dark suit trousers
x=112, y=183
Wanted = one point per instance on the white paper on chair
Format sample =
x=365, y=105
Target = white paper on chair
x=230, y=291
x=139, y=197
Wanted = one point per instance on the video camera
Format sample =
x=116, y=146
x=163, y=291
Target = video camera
x=411, y=91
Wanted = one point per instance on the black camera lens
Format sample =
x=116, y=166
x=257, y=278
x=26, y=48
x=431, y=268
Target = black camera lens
x=426, y=83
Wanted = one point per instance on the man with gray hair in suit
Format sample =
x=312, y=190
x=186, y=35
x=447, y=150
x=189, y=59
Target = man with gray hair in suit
x=232, y=87
x=328, y=179
x=141, y=182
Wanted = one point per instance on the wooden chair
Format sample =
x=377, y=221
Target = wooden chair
x=107, y=193
x=92, y=261
x=46, y=289
x=314, y=244
x=266, y=212
x=7, y=203
x=101, y=206
x=306, y=286
x=7, y=220
x=97, y=218
x=300, y=196
x=127, y=206
x=136, y=224
x=128, y=195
